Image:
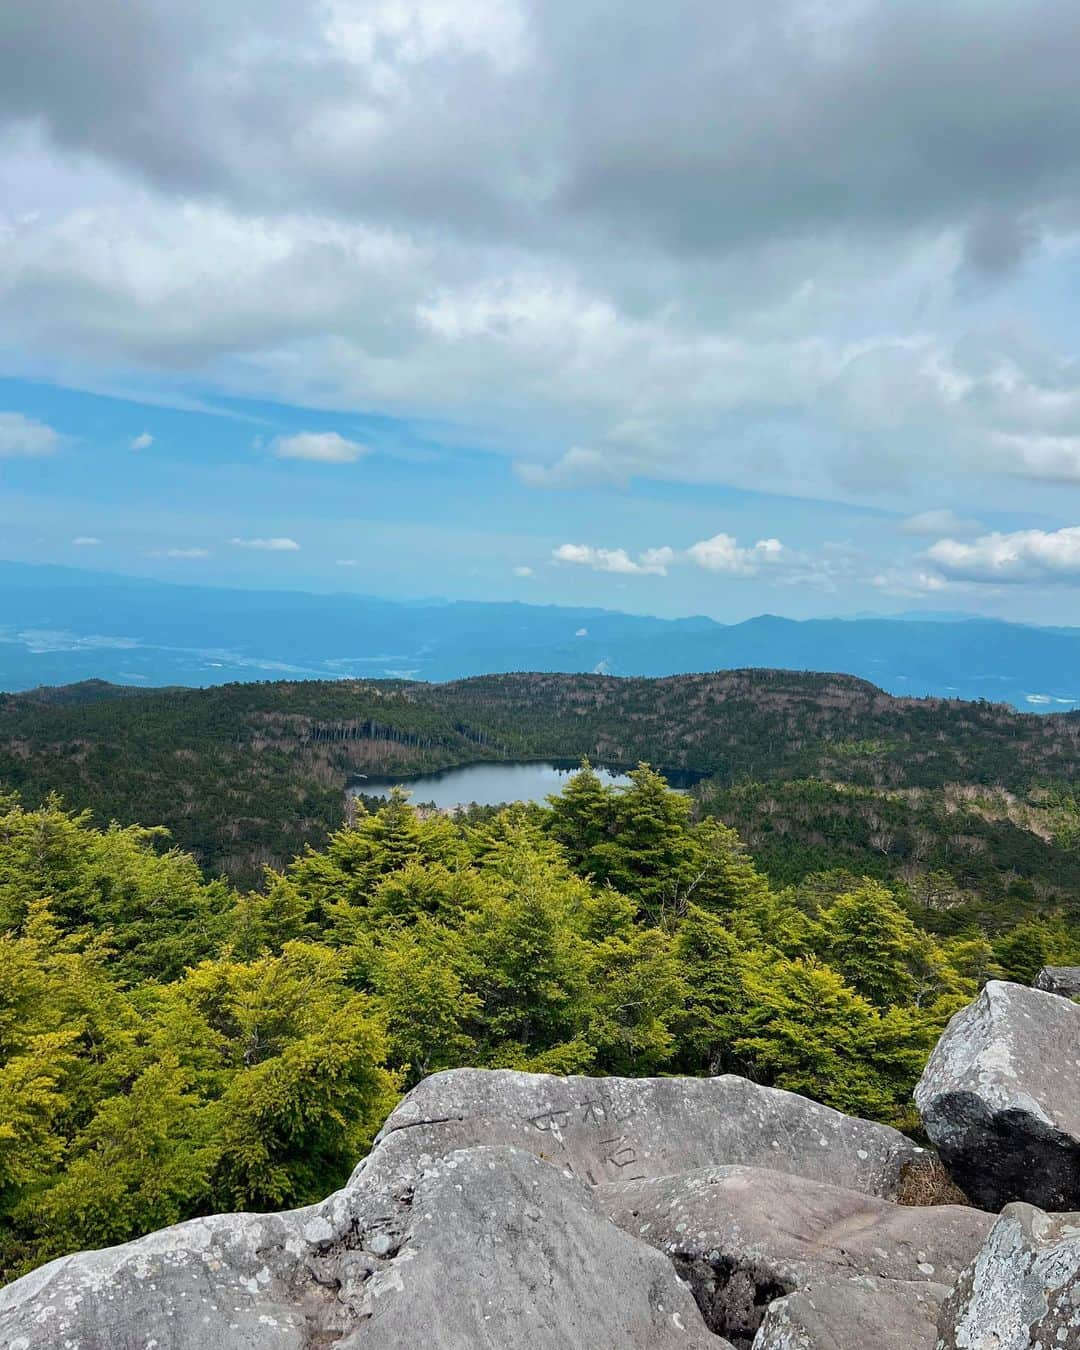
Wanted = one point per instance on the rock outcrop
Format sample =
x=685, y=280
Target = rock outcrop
x=743, y=1237
x=858, y=1313
x=625, y=1129
x=486, y=1248
x=508, y=1181
x=1063, y=980
x=512, y=1211
x=1022, y=1291
x=1000, y=1098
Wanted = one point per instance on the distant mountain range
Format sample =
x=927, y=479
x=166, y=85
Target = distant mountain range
x=60, y=625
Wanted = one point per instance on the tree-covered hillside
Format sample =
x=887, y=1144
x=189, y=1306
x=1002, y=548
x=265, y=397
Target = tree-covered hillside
x=965, y=853
x=171, y=1046
x=247, y=774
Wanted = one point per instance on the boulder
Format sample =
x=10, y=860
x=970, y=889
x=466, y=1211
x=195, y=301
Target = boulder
x=1063, y=980
x=858, y=1313
x=744, y=1236
x=486, y=1248
x=483, y=1218
x=1022, y=1291
x=611, y=1129
x=1000, y=1098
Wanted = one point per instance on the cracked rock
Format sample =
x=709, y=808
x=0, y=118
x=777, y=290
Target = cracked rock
x=743, y=1237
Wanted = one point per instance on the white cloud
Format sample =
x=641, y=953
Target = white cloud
x=653, y=562
x=579, y=467
x=1022, y=556
x=722, y=553
x=275, y=545
x=323, y=447
x=913, y=583
x=657, y=559
x=86, y=541
x=582, y=632
x=191, y=554
x=523, y=571
x=23, y=437
x=938, y=523
x=143, y=441
x=347, y=562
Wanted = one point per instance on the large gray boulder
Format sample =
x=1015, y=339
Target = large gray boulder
x=1000, y=1098
x=1063, y=980
x=744, y=1236
x=480, y=1219
x=1022, y=1291
x=613, y=1129
x=486, y=1248
x=857, y=1313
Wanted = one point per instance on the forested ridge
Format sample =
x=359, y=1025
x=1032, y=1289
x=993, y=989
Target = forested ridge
x=172, y=1046
x=245, y=775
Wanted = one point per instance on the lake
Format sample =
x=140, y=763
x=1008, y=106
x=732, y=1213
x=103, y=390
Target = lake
x=490, y=784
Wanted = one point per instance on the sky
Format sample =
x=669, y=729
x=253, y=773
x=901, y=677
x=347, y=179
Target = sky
x=681, y=308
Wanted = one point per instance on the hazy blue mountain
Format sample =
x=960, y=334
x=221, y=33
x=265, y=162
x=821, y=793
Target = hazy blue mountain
x=59, y=625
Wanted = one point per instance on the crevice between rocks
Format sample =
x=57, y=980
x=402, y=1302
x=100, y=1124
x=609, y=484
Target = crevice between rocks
x=733, y=1300
x=330, y=1283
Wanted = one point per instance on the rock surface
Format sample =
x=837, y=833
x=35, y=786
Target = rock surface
x=743, y=1236
x=1063, y=980
x=1022, y=1291
x=859, y=1313
x=1000, y=1098
x=511, y=1211
x=611, y=1129
x=487, y=1248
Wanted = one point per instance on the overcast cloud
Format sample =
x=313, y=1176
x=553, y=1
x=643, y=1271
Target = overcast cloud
x=800, y=248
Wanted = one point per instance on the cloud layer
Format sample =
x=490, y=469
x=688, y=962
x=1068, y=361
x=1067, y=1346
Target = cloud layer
x=750, y=245
x=787, y=251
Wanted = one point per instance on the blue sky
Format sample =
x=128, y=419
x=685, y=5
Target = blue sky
x=764, y=311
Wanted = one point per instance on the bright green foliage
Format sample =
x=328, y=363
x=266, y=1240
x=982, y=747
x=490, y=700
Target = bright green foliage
x=809, y=1032
x=712, y=963
x=157, y=909
x=1040, y=942
x=265, y=921
x=29, y=1105
x=640, y=841
x=423, y=999
x=525, y=959
x=356, y=859
x=143, y=1161
x=636, y=985
x=580, y=817
x=169, y=1047
x=873, y=944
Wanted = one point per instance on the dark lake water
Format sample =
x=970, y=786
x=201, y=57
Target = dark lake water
x=489, y=784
